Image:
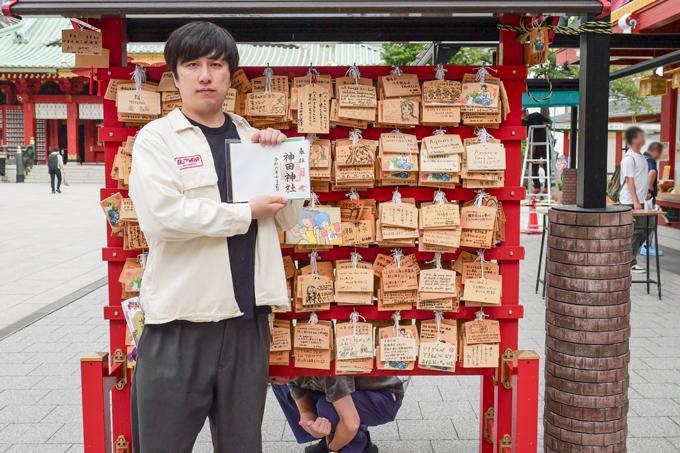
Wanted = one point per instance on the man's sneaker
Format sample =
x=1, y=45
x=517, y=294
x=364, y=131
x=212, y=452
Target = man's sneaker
x=58, y=191
x=545, y=190
x=537, y=190
x=54, y=191
x=652, y=251
x=319, y=447
x=370, y=446
x=637, y=269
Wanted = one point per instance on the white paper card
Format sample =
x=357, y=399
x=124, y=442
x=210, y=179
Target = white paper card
x=281, y=170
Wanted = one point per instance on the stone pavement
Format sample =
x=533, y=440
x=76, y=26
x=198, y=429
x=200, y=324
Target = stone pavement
x=50, y=245
x=40, y=382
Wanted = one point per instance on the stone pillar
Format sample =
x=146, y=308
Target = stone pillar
x=569, y=177
x=587, y=329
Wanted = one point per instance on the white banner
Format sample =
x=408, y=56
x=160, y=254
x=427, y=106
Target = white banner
x=50, y=111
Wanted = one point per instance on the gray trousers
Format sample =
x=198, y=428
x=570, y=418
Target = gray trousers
x=189, y=371
x=639, y=234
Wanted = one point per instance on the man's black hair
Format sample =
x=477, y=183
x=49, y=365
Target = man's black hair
x=200, y=39
x=632, y=133
x=655, y=146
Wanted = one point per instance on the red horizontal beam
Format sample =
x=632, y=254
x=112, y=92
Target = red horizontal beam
x=454, y=72
x=118, y=254
x=120, y=134
x=116, y=134
x=371, y=312
x=427, y=193
x=291, y=370
x=502, y=253
x=385, y=193
x=497, y=253
x=373, y=133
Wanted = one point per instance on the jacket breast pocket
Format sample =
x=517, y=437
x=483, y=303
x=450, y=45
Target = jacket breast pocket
x=198, y=178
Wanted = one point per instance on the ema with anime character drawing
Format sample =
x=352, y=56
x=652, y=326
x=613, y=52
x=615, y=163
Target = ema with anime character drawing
x=480, y=94
x=319, y=225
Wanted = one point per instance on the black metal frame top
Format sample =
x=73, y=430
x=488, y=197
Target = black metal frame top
x=193, y=9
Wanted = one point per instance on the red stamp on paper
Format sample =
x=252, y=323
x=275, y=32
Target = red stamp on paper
x=189, y=162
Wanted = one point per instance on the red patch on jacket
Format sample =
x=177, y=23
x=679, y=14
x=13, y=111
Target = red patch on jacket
x=189, y=162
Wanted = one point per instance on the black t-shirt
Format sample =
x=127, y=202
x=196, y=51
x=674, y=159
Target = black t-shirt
x=242, y=246
x=537, y=119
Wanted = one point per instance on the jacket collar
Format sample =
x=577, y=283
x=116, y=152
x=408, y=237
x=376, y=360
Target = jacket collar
x=179, y=122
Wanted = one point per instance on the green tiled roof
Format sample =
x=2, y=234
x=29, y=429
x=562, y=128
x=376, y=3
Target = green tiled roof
x=291, y=54
x=34, y=45
x=23, y=46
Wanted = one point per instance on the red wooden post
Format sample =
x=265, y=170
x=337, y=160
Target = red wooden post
x=486, y=404
x=114, y=38
x=524, y=383
x=29, y=119
x=511, y=53
x=96, y=414
x=72, y=127
x=669, y=121
x=619, y=148
x=565, y=146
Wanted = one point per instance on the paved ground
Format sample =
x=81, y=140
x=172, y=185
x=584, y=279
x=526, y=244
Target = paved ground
x=40, y=383
x=50, y=245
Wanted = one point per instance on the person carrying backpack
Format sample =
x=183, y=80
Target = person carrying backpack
x=634, y=183
x=55, y=165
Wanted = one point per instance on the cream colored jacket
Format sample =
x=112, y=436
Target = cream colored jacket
x=173, y=185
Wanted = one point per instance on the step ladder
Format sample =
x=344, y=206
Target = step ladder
x=553, y=193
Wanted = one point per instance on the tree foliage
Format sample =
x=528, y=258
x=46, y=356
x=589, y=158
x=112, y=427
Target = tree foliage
x=621, y=92
x=472, y=56
x=400, y=54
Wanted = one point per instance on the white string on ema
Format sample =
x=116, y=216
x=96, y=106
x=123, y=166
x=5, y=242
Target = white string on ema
x=139, y=76
x=353, y=71
x=313, y=257
x=398, y=255
x=482, y=72
x=440, y=72
x=483, y=136
x=437, y=260
x=269, y=75
x=353, y=319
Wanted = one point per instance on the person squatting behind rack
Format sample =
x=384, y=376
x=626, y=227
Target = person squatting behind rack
x=338, y=409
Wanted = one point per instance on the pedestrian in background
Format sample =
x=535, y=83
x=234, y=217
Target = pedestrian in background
x=653, y=154
x=634, y=187
x=55, y=166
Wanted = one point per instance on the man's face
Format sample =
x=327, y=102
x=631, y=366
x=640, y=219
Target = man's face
x=638, y=141
x=525, y=114
x=203, y=83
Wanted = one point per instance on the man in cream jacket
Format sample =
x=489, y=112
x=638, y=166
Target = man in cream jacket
x=214, y=269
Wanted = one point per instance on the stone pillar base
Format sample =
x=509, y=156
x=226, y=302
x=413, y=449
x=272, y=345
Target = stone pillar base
x=587, y=329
